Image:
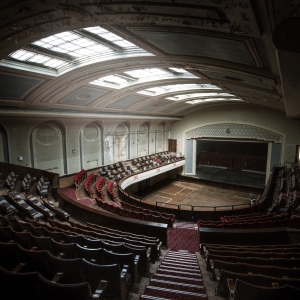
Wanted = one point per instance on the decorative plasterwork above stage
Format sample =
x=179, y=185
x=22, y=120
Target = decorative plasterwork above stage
x=236, y=131
x=151, y=173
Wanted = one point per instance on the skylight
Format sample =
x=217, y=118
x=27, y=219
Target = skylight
x=198, y=95
x=71, y=43
x=110, y=37
x=65, y=51
x=121, y=80
x=147, y=72
x=212, y=100
x=178, y=70
x=159, y=90
x=30, y=56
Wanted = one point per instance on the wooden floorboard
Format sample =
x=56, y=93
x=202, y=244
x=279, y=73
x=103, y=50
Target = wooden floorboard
x=177, y=192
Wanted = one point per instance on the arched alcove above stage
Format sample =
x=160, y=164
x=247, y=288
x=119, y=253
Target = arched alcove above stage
x=234, y=131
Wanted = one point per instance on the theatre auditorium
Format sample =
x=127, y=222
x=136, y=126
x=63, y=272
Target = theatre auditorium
x=150, y=149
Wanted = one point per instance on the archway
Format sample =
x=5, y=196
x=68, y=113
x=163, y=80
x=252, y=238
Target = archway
x=91, y=146
x=4, y=154
x=48, y=148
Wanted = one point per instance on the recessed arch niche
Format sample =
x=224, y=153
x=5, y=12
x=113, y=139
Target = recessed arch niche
x=143, y=140
x=3, y=145
x=48, y=148
x=121, y=144
x=159, y=138
x=91, y=146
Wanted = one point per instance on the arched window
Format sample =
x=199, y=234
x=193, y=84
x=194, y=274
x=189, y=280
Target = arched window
x=48, y=148
x=91, y=146
x=4, y=156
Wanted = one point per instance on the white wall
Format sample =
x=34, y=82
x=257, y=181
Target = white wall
x=77, y=148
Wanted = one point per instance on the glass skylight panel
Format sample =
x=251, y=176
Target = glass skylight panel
x=176, y=88
x=114, y=79
x=178, y=70
x=212, y=100
x=194, y=95
x=70, y=50
x=105, y=34
x=147, y=72
x=30, y=56
x=72, y=44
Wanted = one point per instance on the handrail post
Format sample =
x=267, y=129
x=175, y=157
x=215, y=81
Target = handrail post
x=178, y=208
x=156, y=206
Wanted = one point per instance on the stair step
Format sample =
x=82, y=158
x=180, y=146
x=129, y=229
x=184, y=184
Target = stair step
x=182, y=253
x=179, y=273
x=173, y=294
x=178, y=279
x=178, y=286
x=149, y=297
x=180, y=269
x=167, y=263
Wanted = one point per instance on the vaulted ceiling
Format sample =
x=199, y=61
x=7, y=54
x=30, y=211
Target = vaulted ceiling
x=149, y=59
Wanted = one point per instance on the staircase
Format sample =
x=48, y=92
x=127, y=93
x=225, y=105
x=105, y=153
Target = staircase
x=177, y=277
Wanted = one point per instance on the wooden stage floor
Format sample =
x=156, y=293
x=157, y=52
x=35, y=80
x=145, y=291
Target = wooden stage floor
x=186, y=193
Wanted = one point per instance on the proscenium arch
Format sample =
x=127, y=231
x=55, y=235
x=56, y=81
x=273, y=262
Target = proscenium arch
x=48, y=147
x=91, y=146
x=233, y=131
x=4, y=153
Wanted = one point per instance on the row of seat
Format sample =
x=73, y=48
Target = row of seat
x=43, y=187
x=165, y=217
x=96, y=232
x=148, y=215
x=88, y=184
x=70, y=250
x=262, y=265
x=26, y=183
x=64, y=271
x=110, y=188
x=11, y=180
x=79, y=177
x=101, y=181
x=247, y=291
x=293, y=222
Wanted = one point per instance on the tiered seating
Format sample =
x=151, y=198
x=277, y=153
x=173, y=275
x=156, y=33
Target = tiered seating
x=24, y=208
x=36, y=204
x=88, y=184
x=110, y=188
x=167, y=157
x=79, y=177
x=43, y=187
x=26, y=183
x=55, y=274
x=59, y=213
x=263, y=265
x=246, y=291
x=77, y=247
x=7, y=208
x=11, y=180
x=99, y=185
x=131, y=211
x=254, y=221
x=178, y=277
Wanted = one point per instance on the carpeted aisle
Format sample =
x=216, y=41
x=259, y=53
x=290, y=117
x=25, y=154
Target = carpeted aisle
x=183, y=239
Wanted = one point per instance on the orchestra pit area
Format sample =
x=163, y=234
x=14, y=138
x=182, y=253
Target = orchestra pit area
x=49, y=253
